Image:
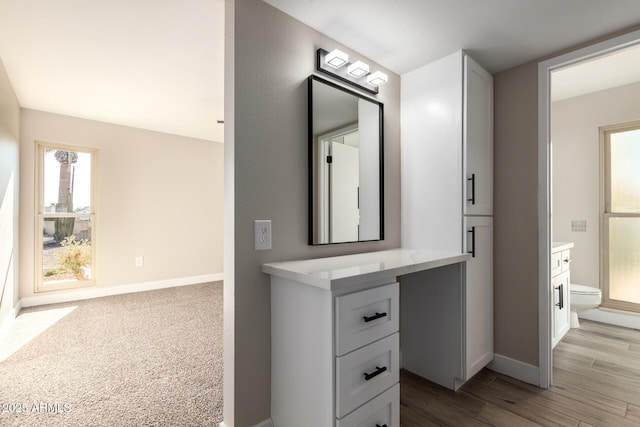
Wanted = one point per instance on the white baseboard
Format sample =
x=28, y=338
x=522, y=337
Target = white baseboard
x=5, y=325
x=515, y=369
x=97, y=292
x=612, y=317
x=265, y=423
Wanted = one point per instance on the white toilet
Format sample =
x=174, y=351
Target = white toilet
x=582, y=298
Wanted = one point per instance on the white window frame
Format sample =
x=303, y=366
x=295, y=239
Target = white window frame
x=606, y=213
x=40, y=215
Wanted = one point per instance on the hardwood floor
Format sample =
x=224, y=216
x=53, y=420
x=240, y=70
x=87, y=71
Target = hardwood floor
x=596, y=382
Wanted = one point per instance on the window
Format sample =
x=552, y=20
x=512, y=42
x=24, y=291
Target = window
x=621, y=217
x=65, y=217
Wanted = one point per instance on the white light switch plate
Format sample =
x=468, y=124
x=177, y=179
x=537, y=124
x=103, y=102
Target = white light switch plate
x=262, y=234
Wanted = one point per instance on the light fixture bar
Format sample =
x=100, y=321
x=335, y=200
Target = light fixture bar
x=342, y=73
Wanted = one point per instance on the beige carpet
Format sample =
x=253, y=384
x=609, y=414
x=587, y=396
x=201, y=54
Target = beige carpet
x=144, y=359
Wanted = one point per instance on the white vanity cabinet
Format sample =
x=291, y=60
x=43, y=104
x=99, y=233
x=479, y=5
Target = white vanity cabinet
x=367, y=362
x=560, y=293
x=333, y=353
x=335, y=335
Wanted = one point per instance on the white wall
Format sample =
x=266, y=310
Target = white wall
x=9, y=181
x=159, y=196
x=575, y=126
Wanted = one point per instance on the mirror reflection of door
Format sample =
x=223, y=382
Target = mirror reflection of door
x=345, y=217
x=346, y=166
x=339, y=185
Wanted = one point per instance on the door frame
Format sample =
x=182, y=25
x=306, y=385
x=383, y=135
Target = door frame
x=545, y=68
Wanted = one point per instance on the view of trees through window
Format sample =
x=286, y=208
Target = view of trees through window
x=66, y=216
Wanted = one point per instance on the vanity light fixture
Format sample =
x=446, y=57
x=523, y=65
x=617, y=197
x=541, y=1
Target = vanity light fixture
x=377, y=78
x=336, y=58
x=356, y=74
x=358, y=69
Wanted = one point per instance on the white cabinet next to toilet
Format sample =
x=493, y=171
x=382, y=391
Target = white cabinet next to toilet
x=560, y=293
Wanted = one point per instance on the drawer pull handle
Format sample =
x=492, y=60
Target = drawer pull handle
x=560, y=290
x=383, y=425
x=375, y=373
x=374, y=317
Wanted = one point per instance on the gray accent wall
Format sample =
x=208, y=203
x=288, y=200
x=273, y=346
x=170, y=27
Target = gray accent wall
x=269, y=56
x=516, y=277
x=9, y=197
x=515, y=210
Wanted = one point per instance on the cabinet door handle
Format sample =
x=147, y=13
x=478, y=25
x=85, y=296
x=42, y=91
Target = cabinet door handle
x=383, y=425
x=473, y=242
x=374, y=317
x=473, y=189
x=375, y=373
x=560, y=302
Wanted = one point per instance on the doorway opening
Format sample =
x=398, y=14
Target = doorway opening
x=546, y=213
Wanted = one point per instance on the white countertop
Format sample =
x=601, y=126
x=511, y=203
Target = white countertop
x=341, y=272
x=561, y=246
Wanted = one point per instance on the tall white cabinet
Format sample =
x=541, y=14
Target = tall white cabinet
x=447, y=189
x=477, y=140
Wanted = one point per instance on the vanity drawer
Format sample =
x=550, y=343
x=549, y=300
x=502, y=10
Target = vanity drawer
x=566, y=260
x=380, y=411
x=365, y=373
x=366, y=316
x=556, y=263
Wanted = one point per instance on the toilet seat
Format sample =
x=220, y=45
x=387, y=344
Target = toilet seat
x=576, y=289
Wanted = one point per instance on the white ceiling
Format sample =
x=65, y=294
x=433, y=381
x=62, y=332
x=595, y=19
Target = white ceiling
x=158, y=64
x=152, y=64
x=613, y=70
x=405, y=34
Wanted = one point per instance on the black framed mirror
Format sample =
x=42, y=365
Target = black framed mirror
x=346, y=165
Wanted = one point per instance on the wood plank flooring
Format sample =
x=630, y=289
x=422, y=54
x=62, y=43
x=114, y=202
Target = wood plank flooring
x=596, y=383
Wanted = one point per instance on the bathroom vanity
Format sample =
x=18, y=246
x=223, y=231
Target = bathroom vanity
x=342, y=327
x=560, y=280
